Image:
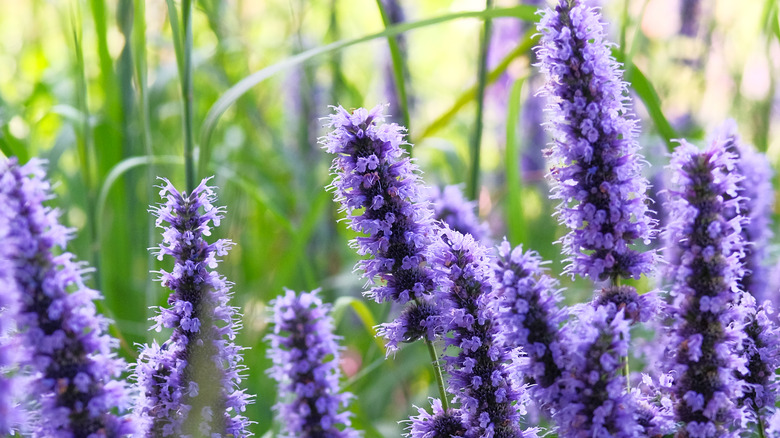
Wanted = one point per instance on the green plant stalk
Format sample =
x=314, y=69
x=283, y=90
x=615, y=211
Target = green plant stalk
x=437, y=373
x=514, y=207
x=86, y=147
x=139, y=62
x=186, y=91
x=398, y=68
x=473, y=187
x=760, y=425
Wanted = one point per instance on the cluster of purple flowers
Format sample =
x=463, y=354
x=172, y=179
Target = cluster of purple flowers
x=595, y=162
x=305, y=356
x=373, y=176
x=190, y=384
x=67, y=352
x=479, y=375
x=704, y=337
x=529, y=318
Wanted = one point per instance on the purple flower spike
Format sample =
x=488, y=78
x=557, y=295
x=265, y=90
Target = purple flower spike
x=451, y=207
x=479, y=374
x=529, y=317
x=12, y=352
x=440, y=424
x=76, y=373
x=372, y=175
x=594, y=401
x=761, y=349
x=756, y=203
x=596, y=166
x=189, y=385
x=305, y=356
x=637, y=308
x=705, y=336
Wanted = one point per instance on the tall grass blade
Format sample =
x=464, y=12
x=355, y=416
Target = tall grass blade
x=476, y=140
x=235, y=92
x=515, y=219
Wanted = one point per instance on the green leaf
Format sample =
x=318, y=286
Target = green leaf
x=235, y=92
x=363, y=313
x=646, y=92
x=398, y=66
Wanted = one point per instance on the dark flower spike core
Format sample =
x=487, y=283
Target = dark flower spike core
x=706, y=333
x=305, y=355
x=529, y=318
x=452, y=208
x=439, y=424
x=490, y=400
x=189, y=385
x=75, y=376
x=637, y=308
x=594, y=401
x=756, y=203
x=596, y=166
x=373, y=176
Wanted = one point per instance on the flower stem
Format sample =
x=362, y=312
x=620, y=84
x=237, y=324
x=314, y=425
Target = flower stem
x=481, y=82
x=437, y=372
x=186, y=91
x=761, y=433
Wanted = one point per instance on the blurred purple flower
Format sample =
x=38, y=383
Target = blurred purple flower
x=480, y=378
x=761, y=349
x=593, y=398
x=596, y=165
x=529, y=318
x=190, y=384
x=451, y=207
x=440, y=424
x=637, y=308
x=373, y=175
x=305, y=356
x=756, y=200
x=704, y=337
x=74, y=370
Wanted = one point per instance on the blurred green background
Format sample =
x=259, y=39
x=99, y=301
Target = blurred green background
x=94, y=88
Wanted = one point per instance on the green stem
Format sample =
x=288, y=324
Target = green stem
x=186, y=91
x=398, y=66
x=481, y=81
x=761, y=433
x=437, y=372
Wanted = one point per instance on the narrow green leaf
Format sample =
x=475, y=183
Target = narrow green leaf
x=235, y=92
x=398, y=67
x=528, y=42
x=646, y=92
x=514, y=207
x=123, y=167
x=363, y=313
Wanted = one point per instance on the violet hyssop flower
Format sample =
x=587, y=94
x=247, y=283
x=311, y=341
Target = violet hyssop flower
x=704, y=338
x=373, y=176
x=479, y=374
x=529, y=318
x=452, y=208
x=440, y=424
x=305, y=356
x=189, y=385
x=11, y=350
x=756, y=199
x=596, y=166
x=75, y=373
x=594, y=400
x=761, y=350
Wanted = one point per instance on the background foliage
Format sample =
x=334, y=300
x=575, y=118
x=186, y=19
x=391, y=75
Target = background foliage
x=94, y=87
